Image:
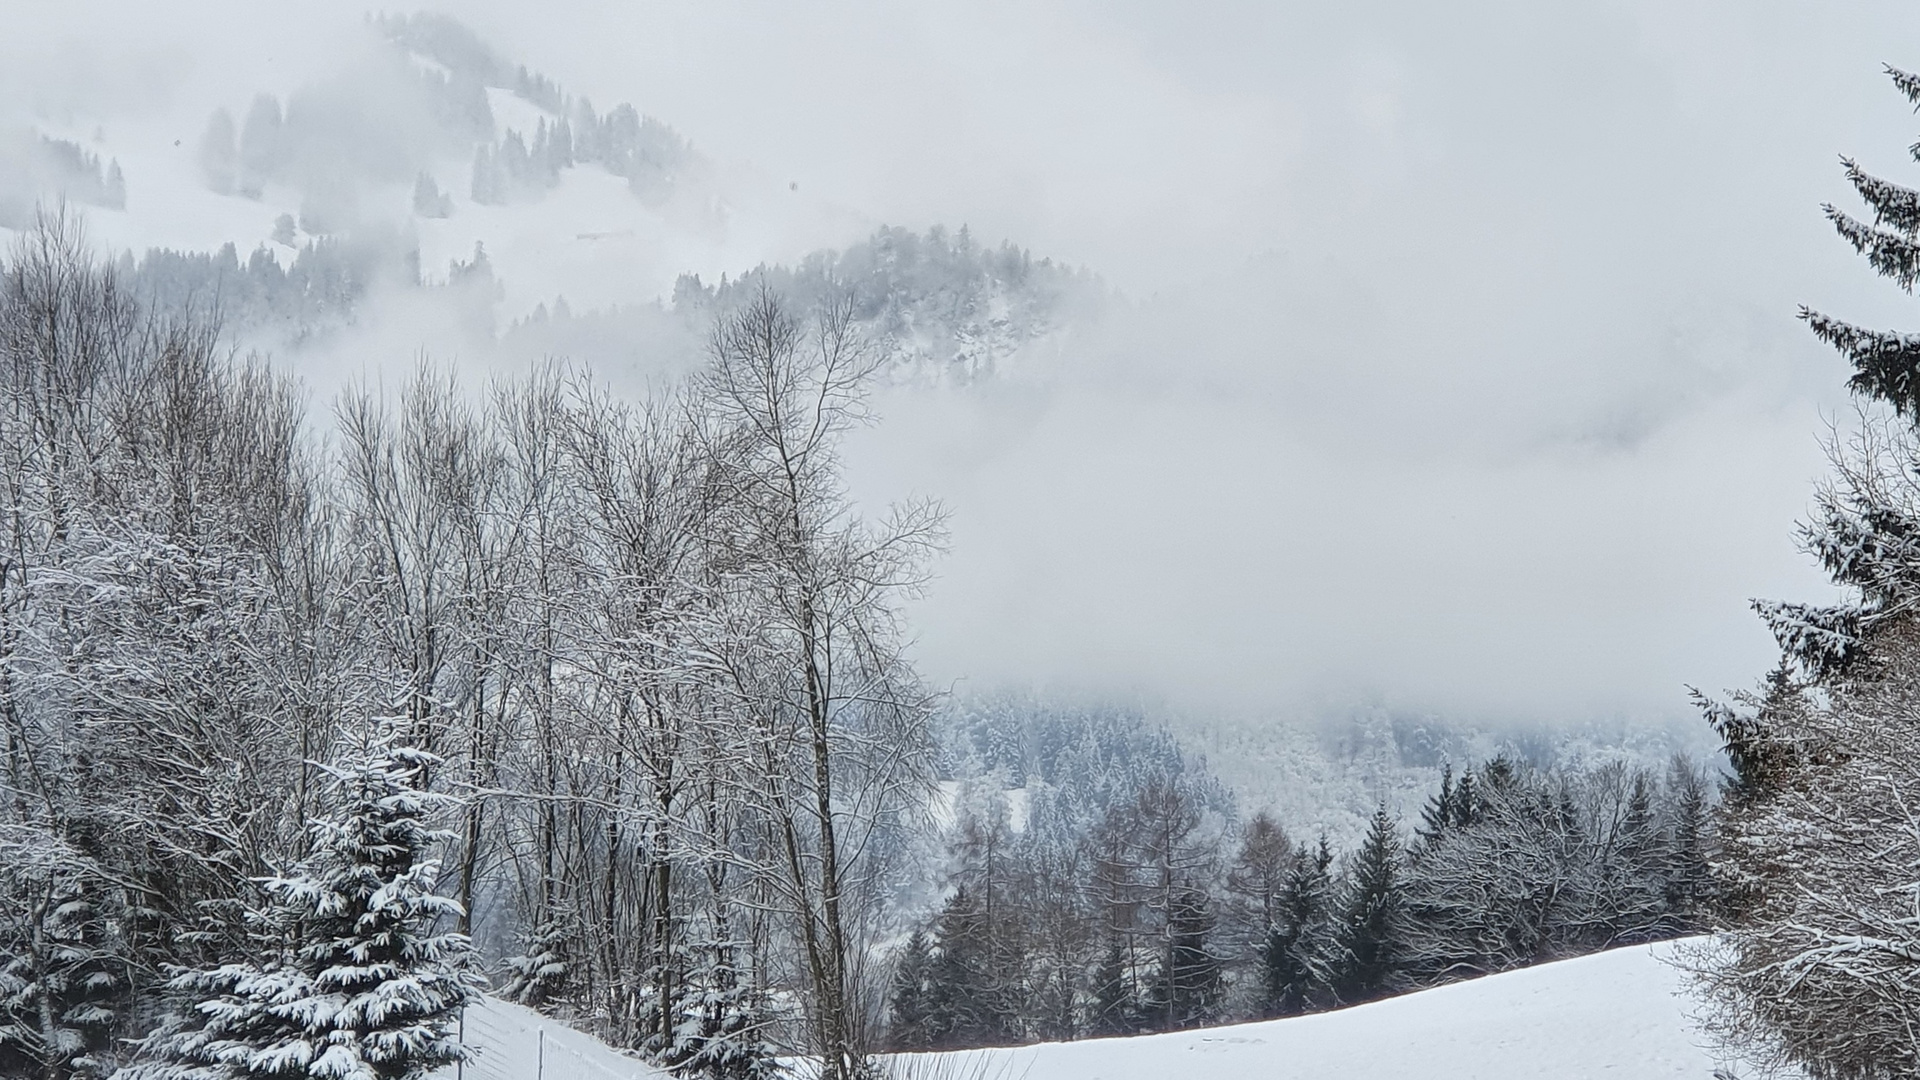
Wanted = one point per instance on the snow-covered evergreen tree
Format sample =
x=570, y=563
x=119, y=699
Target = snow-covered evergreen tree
x=537, y=974
x=1185, y=991
x=1819, y=844
x=1686, y=844
x=907, y=1005
x=1541, y=865
x=1115, y=1004
x=1370, y=936
x=1296, y=957
x=219, y=159
x=721, y=1024
x=966, y=1003
x=428, y=200
x=63, y=968
x=1439, y=811
x=262, y=148
x=355, y=982
x=486, y=185
x=114, y=197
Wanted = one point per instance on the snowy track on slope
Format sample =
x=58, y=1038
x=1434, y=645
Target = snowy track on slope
x=509, y=1042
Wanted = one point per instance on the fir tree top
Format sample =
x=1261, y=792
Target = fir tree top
x=1864, y=539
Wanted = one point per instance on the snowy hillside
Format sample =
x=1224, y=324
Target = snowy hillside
x=424, y=194
x=1615, y=1014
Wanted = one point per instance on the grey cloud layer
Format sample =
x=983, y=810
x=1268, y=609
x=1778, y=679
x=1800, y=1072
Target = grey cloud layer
x=1460, y=368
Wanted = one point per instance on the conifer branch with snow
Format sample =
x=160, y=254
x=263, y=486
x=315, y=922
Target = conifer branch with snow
x=354, y=981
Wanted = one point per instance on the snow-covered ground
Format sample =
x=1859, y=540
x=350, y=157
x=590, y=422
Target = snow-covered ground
x=508, y=1042
x=1619, y=1014
x=1614, y=1014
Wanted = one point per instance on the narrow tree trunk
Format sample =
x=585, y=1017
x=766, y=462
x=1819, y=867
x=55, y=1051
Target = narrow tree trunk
x=838, y=1046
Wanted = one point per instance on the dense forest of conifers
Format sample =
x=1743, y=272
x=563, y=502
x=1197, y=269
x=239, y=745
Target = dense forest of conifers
x=1141, y=908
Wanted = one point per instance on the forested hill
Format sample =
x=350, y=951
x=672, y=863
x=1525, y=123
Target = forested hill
x=943, y=307
x=941, y=302
x=430, y=187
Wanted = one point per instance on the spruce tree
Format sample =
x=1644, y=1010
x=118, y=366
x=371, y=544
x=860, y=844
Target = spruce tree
x=1186, y=986
x=1439, y=812
x=354, y=982
x=1497, y=774
x=1466, y=801
x=1690, y=892
x=114, y=197
x=1817, y=971
x=1294, y=959
x=538, y=973
x=218, y=157
x=966, y=1005
x=1865, y=534
x=1371, y=933
x=428, y=200
x=1114, y=1004
x=63, y=969
x=907, y=1003
x=720, y=1029
x=1760, y=760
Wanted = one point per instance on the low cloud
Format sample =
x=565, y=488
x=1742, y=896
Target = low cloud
x=1457, y=368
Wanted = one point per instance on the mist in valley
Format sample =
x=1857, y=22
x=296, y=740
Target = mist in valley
x=1427, y=366
x=1307, y=403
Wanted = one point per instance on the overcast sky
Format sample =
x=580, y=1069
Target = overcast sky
x=1459, y=372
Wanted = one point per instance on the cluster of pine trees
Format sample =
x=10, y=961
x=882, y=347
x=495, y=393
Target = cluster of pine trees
x=650, y=155
x=384, y=122
x=394, y=118
x=647, y=153
x=320, y=286
x=241, y=161
x=937, y=304
x=1149, y=914
x=949, y=306
x=35, y=166
x=945, y=308
x=520, y=165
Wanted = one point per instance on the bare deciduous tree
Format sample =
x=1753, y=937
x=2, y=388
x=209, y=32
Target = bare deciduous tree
x=825, y=705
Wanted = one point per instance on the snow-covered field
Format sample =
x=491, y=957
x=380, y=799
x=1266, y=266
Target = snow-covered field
x=1614, y=1014
x=1618, y=1014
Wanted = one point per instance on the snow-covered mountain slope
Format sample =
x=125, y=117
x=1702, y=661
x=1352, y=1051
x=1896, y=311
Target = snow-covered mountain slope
x=427, y=194
x=1614, y=1014
x=423, y=131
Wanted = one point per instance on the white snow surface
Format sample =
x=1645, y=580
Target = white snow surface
x=1618, y=1014
x=590, y=239
x=514, y=113
x=510, y=1042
